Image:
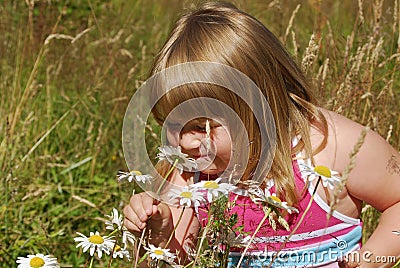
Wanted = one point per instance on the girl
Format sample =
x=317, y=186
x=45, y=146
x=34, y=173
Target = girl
x=302, y=140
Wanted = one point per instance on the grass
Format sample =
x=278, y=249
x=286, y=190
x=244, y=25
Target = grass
x=69, y=68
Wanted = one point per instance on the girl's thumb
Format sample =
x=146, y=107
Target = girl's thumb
x=163, y=212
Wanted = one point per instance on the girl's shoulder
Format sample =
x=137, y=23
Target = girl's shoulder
x=342, y=134
x=341, y=125
x=371, y=159
x=346, y=137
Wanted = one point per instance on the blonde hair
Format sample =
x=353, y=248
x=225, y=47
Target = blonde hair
x=219, y=32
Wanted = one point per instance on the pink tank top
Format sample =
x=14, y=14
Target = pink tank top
x=315, y=228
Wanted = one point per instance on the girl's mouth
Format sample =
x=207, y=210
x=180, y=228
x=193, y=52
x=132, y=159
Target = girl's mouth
x=204, y=161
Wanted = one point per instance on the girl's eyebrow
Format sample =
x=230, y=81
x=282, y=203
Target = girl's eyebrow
x=196, y=121
x=203, y=121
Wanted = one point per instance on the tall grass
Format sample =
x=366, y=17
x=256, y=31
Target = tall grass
x=69, y=68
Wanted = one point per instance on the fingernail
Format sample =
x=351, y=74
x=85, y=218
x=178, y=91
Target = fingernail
x=148, y=211
x=143, y=217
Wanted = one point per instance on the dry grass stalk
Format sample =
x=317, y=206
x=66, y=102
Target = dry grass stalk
x=290, y=25
x=346, y=87
x=66, y=37
x=395, y=56
x=348, y=47
x=389, y=133
x=360, y=11
x=295, y=46
x=322, y=74
x=347, y=170
x=46, y=134
x=377, y=9
x=330, y=36
x=310, y=55
x=397, y=21
x=276, y=4
x=387, y=89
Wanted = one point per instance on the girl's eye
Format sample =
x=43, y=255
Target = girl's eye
x=200, y=128
x=196, y=128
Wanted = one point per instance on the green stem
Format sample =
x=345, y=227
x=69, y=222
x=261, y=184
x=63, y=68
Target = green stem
x=113, y=232
x=176, y=226
x=188, y=265
x=254, y=234
x=91, y=262
x=166, y=176
x=203, y=237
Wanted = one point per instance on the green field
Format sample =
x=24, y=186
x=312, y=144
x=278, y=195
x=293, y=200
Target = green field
x=69, y=69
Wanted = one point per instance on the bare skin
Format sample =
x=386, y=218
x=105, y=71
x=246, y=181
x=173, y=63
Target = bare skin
x=374, y=180
x=371, y=181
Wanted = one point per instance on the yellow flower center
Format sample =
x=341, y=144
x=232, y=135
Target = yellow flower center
x=211, y=185
x=36, y=262
x=117, y=248
x=136, y=172
x=276, y=199
x=158, y=252
x=96, y=239
x=186, y=194
x=323, y=171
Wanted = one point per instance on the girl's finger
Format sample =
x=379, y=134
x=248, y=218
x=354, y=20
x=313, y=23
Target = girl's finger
x=132, y=216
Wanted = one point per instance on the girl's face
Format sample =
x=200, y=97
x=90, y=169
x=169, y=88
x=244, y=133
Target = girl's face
x=213, y=156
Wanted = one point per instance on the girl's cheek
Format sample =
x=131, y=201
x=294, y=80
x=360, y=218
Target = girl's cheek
x=173, y=138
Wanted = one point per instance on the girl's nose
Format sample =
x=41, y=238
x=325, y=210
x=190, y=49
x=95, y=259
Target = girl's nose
x=191, y=140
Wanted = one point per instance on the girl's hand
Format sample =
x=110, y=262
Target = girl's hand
x=144, y=211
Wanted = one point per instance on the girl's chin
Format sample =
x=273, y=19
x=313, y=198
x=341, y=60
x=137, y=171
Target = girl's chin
x=210, y=170
x=209, y=166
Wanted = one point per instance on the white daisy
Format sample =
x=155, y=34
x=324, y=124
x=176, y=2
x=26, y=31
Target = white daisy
x=396, y=232
x=258, y=195
x=36, y=261
x=157, y=253
x=116, y=219
x=328, y=176
x=175, y=156
x=95, y=242
x=127, y=236
x=186, y=196
x=121, y=253
x=214, y=188
x=134, y=175
x=278, y=203
x=116, y=222
x=265, y=197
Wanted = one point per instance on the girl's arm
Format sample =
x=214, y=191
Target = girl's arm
x=374, y=179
